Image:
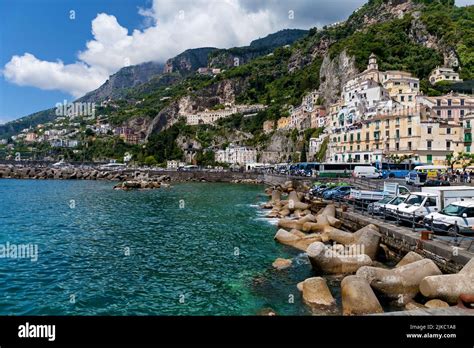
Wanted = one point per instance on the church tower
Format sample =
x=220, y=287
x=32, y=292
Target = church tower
x=373, y=62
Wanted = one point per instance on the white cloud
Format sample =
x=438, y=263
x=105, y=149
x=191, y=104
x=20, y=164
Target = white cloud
x=75, y=79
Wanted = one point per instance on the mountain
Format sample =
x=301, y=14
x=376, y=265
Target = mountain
x=125, y=78
x=227, y=58
x=189, y=61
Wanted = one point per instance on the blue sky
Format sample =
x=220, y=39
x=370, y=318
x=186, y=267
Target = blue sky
x=46, y=56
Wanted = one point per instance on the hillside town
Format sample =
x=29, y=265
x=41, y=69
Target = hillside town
x=380, y=116
x=383, y=115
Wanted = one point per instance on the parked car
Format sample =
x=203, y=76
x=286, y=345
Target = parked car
x=457, y=217
x=432, y=183
x=338, y=192
x=377, y=207
x=389, y=209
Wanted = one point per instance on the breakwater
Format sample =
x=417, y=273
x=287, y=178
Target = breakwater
x=143, y=174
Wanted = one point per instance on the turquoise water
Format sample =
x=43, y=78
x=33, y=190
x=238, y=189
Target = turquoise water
x=192, y=249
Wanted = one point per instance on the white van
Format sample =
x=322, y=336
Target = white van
x=366, y=172
x=454, y=218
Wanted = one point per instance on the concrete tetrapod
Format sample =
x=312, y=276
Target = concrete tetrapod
x=368, y=238
x=296, y=239
x=329, y=260
x=450, y=286
x=401, y=283
x=358, y=298
x=316, y=293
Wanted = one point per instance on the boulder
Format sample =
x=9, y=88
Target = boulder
x=358, y=298
x=449, y=287
x=281, y=263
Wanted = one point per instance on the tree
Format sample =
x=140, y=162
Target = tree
x=150, y=161
x=303, y=153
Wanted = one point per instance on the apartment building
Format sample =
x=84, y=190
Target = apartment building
x=451, y=106
x=443, y=74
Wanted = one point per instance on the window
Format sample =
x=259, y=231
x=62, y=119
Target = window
x=409, y=131
x=387, y=123
x=428, y=130
x=358, y=147
x=397, y=121
x=409, y=119
x=450, y=113
x=449, y=102
x=428, y=144
x=367, y=147
x=387, y=133
x=415, y=85
x=402, y=98
x=430, y=202
x=409, y=145
x=438, y=112
x=352, y=138
x=367, y=136
x=429, y=158
x=462, y=112
x=448, y=145
x=397, y=133
x=462, y=102
x=448, y=130
x=358, y=136
x=345, y=137
x=410, y=98
x=468, y=149
x=397, y=146
x=438, y=102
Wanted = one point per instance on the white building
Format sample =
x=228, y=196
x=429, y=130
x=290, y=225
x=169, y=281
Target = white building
x=444, y=74
x=240, y=155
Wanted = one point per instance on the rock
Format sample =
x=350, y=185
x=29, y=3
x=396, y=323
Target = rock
x=316, y=293
x=358, y=298
x=413, y=305
x=409, y=258
x=401, y=283
x=281, y=263
x=335, y=260
x=436, y=304
x=449, y=287
x=300, y=286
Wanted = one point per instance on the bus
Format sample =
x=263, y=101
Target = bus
x=422, y=173
x=395, y=170
x=339, y=170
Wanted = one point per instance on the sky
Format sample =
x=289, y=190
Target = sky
x=56, y=50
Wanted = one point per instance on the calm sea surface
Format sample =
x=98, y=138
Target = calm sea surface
x=192, y=249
